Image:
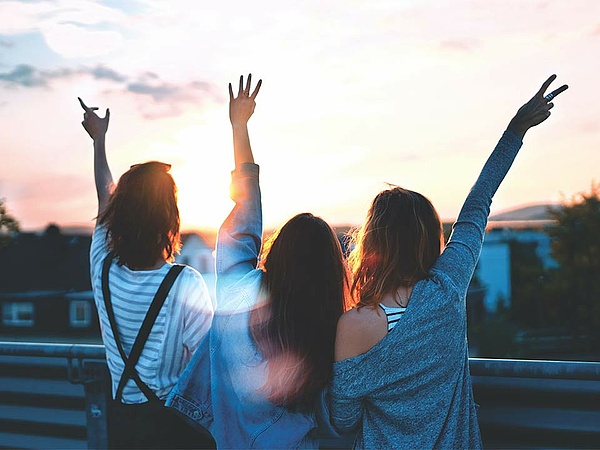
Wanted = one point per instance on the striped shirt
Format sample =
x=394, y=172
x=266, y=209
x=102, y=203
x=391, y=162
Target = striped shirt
x=392, y=314
x=183, y=321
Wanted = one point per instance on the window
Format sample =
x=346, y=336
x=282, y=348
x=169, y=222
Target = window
x=17, y=314
x=80, y=314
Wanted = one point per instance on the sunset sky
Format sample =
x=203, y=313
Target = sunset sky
x=355, y=94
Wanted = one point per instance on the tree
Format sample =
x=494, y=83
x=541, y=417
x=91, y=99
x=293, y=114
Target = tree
x=8, y=225
x=576, y=247
x=528, y=299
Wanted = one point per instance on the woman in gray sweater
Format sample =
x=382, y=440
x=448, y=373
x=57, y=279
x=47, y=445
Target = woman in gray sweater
x=401, y=377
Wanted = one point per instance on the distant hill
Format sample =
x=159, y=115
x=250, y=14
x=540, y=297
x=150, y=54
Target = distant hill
x=530, y=212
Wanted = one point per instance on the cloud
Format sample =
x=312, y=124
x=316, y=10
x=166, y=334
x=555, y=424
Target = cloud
x=6, y=43
x=104, y=73
x=160, y=98
x=25, y=75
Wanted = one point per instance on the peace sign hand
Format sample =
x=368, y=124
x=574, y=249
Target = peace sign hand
x=94, y=125
x=242, y=106
x=536, y=110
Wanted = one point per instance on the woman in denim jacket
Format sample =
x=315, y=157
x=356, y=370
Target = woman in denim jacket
x=270, y=351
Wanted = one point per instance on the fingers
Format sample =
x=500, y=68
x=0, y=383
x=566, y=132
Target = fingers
x=87, y=109
x=247, y=90
x=107, y=115
x=555, y=92
x=256, y=89
x=83, y=104
x=546, y=84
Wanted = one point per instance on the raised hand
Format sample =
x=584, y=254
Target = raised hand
x=536, y=110
x=94, y=125
x=242, y=106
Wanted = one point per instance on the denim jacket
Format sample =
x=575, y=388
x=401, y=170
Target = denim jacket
x=221, y=387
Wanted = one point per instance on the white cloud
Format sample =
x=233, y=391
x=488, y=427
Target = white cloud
x=73, y=41
x=71, y=28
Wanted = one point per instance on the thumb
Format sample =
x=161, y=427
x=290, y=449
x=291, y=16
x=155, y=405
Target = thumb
x=107, y=115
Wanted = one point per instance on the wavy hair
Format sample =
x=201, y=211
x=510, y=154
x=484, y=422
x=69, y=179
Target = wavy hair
x=397, y=245
x=305, y=283
x=142, y=218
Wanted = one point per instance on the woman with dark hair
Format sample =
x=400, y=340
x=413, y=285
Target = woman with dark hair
x=153, y=314
x=401, y=379
x=272, y=340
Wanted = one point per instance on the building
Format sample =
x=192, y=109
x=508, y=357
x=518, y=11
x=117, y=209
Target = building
x=48, y=314
x=494, y=268
x=45, y=287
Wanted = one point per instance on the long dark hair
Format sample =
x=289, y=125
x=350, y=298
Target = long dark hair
x=305, y=283
x=397, y=245
x=142, y=218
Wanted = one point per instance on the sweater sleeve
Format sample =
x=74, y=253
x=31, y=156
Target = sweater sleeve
x=460, y=256
x=345, y=411
x=240, y=237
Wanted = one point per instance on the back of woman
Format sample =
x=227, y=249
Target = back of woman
x=270, y=352
x=153, y=314
x=402, y=379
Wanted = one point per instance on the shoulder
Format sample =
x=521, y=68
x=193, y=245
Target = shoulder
x=98, y=249
x=358, y=330
x=190, y=275
x=193, y=286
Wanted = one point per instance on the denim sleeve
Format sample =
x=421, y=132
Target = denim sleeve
x=240, y=236
x=461, y=254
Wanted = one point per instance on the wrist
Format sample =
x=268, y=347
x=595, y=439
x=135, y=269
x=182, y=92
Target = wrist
x=517, y=130
x=239, y=125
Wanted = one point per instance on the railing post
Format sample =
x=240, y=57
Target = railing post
x=97, y=393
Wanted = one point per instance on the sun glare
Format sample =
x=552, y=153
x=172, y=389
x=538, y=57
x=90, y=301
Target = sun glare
x=202, y=170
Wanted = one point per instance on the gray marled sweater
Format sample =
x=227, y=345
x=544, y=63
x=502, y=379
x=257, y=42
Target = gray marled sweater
x=413, y=388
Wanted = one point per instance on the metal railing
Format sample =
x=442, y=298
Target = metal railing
x=522, y=403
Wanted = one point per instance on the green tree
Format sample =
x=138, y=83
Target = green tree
x=8, y=225
x=527, y=285
x=576, y=247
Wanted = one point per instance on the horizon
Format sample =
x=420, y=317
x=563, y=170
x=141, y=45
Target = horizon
x=76, y=228
x=354, y=95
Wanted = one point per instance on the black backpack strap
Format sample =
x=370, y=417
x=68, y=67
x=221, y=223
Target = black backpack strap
x=142, y=336
x=113, y=325
x=140, y=340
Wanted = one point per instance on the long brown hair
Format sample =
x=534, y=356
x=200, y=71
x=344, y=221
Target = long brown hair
x=397, y=245
x=306, y=284
x=142, y=218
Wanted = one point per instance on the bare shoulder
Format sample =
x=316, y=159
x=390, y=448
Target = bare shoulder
x=358, y=330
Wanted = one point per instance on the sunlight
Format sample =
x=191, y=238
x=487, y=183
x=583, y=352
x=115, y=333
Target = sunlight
x=201, y=167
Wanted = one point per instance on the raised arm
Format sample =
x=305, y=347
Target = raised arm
x=462, y=252
x=240, y=236
x=240, y=111
x=96, y=128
